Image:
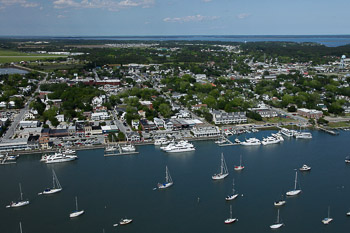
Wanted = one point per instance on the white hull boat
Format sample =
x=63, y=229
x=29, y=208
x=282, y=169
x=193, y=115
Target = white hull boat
x=128, y=148
x=223, y=170
x=240, y=167
x=18, y=203
x=305, y=168
x=327, y=220
x=77, y=212
x=295, y=191
x=125, y=221
x=277, y=224
x=269, y=141
x=233, y=195
x=56, y=186
x=168, y=180
x=231, y=219
x=251, y=142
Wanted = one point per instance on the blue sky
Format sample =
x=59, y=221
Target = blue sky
x=173, y=17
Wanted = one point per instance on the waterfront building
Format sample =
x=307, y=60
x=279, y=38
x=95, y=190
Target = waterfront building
x=222, y=117
x=205, y=130
x=133, y=137
x=14, y=144
x=310, y=113
x=29, y=124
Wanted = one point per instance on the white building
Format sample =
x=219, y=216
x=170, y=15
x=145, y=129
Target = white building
x=205, y=131
x=98, y=116
x=221, y=117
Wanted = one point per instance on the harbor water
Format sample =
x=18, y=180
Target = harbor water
x=111, y=188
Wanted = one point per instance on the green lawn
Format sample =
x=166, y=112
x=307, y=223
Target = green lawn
x=339, y=124
x=8, y=56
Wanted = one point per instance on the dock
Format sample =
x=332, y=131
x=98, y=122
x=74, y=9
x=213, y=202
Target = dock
x=120, y=152
x=328, y=131
x=228, y=143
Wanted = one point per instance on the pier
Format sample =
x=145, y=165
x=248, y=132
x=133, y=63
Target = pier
x=228, y=143
x=328, y=131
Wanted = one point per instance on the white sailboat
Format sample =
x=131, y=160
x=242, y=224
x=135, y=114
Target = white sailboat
x=56, y=186
x=295, y=191
x=230, y=219
x=168, y=181
x=20, y=227
x=18, y=203
x=77, y=212
x=277, y=224
x=233, y=195
x=125, y=221
x=240, y=167
x=223, y=170
x=328, y=219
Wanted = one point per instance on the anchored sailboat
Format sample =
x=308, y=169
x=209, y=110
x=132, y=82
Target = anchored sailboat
x=230, y=219
x=76, y=213
x=277, y=224
x=240, y=167
x=233, y=196
x=295, y=191
x=56, y=186
x=328, y=219
x=223, y=170
x=168, y=181
x=280, y=202
x=18, y=203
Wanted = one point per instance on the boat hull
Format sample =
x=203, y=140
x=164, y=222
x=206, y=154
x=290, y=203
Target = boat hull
x=279, y=203
x=231, y=197
x=51, y=191
x=239, y=168
x=327, y=221
x=76, y=214
x=164, y=186
x=18, y=204
x=125, y=221
x=219, y=176
x=276, y=226
x=231, y=220
x=293, y=192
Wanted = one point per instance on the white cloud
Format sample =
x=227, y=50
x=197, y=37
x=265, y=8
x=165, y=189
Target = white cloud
x=22, y=3
x=61, y=16
x=206, y=0
x=191, y=18
x=112, y=5
x=243, y=15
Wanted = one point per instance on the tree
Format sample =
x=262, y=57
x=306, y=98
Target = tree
x=165, y=110
x=254, y=115
x=121, y=136
x=292, y=108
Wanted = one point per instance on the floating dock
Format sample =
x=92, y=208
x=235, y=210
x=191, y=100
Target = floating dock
x=228, y=143
x=328, y=131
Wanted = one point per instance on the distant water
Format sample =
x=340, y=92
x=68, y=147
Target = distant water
x=12, y=71
x=328, y=40
x=110, y=188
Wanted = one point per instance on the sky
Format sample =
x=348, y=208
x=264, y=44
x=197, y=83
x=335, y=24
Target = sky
x=173, y=17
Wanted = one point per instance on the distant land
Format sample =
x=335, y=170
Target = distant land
x=327, y=40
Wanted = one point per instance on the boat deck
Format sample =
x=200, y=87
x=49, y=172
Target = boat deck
x=121, y=152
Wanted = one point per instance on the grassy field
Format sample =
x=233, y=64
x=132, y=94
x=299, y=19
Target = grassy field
x=339, y=124
x=8, y=56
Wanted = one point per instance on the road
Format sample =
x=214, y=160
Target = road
x=11, y=130
x=119, y=124
x=295, y=117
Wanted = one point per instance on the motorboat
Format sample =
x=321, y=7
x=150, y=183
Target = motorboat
x=270, y=140
x=228, y=133
x=287, y=132
x=69, y=152
x=58, y=158
x=110, y=149
x=223, y=170
x=12, y=157
x=125, y=221
x=231, y=219
x=168, y=180
x=303, y=135
x=237, y=141
x=181, y=146
x=251, y=142
x=305, y=168
x=278, y=136
x=221, y=140
x=128, y=148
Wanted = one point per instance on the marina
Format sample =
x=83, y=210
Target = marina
x=108, y=189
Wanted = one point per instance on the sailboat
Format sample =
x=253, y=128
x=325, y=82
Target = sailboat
x=347, y=159
x=223, y=170
x=230, y=219
x=168, y=181
x=295, y=191
x=20, y=227
x=240, y=167
x=56, y=186
x=280, y=202
x=328, y=219
x=277, y=224
x=76, y=213
x=233, y=196
x=18, y=203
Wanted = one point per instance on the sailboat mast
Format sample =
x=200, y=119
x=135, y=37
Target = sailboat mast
x=329, y=211
x=53, y=179
x=233, y=186
x=296, y=178
x=240, y=162
x=231, y=211
x=20, y=227
x=76, y=203
x=20, y=191
x=278, y=216
x=166, y=174
x=222, y=164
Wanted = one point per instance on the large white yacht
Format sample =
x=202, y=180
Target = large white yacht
x=181, y=146
x=270, y=140
x=287, y=132
x=128, y=148
x=58, y=158
x=251, y=142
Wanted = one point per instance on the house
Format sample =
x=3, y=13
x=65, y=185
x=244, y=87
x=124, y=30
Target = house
x=98, y=116
x=159, y=122
x=14, y=144
x=44, y=142
x=264, y=111
x=199, y=106
x=168, y=125
x=135, y=124
x=133, y=137
x=71, y=130
x=60, y=118
x=147, y=125
x=148, y=104
x=221, y=117
x=33, y=142
x=346, y=107
x=142, y=113
x=96, y=130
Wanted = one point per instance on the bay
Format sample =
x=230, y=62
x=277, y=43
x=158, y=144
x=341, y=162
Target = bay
x=110, y=188
x=12, y=71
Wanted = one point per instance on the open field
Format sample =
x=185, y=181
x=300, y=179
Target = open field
x=339, y=124
x=8, y=56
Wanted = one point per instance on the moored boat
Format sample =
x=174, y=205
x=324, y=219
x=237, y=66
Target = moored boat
x=168, y=180
x=231, y=219
x=77, y=212
x=125, y=221
x=327, y=220
x=295, y=191
x=223, y=170
x=251, y=142
x=277, y=224
x=19, y=203
x=305, y=168
x=56, y=186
